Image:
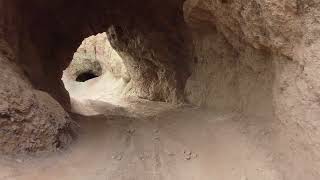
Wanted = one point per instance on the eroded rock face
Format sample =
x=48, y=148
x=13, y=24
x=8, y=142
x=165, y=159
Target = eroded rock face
x=229, y=80
x=266, y=24
x=264, y=57
x=30, y=120
x=151, y=64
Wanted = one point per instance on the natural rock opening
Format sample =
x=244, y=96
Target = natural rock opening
x=102, y=74
x=85, y=76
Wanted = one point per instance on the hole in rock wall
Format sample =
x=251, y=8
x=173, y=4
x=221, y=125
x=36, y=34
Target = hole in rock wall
x=83, y=77
x=96, y=74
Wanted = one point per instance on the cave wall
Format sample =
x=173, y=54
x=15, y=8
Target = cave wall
x=30, y=120
x=228, y=80
x=271, y=69
x=155, y=46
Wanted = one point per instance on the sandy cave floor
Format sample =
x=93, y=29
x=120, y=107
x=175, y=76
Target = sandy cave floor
x=176, y=143
x=134, y=139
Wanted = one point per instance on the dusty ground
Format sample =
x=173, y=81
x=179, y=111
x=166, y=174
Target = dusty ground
x=167, y=143
x=134, y=139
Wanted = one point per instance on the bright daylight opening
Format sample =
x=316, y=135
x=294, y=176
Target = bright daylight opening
x=96, y=74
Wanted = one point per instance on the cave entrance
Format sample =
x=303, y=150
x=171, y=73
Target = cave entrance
x=96, y=74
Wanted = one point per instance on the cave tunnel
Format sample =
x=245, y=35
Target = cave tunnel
x=152, y=89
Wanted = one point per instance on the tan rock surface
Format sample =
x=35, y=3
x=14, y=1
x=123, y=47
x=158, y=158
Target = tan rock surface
x=30, y=120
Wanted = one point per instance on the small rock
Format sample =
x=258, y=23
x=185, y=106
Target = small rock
x=188, y=155
x=187, y=152
x=19, y=160
x=117, y=157
x=131, y=131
